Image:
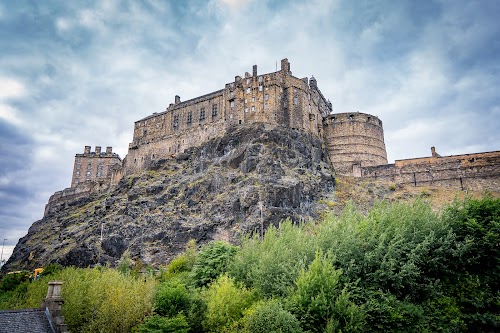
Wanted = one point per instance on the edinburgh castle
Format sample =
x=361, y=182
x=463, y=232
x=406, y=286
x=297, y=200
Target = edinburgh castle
x=353, y=142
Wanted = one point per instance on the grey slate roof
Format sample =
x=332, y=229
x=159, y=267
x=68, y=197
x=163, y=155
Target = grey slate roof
x=25, y=321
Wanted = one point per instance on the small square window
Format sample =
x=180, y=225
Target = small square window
x=253, y=108
x=260, y=88
x=248, y=90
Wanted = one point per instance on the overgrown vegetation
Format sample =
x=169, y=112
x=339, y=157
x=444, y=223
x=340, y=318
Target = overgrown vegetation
x=399, y=268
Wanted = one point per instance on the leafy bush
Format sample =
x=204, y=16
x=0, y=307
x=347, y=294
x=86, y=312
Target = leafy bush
x=226, y=303
x=319, y=297
x=157, y=324
x=97, y=300
x=272, y=265
x=172, y=298
x=270, y=317
x=211, y=262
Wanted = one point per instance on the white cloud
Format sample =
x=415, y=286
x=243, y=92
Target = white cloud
x=10, y=88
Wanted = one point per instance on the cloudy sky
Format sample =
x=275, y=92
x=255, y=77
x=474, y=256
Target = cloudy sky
x=76, y=73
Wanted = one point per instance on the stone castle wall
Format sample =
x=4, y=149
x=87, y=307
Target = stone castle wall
x=96, y=166
x=480, y=171
x=354, y=139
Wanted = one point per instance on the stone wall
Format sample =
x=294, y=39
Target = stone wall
x=479, y=171
x=96, y=166
x=354, y=139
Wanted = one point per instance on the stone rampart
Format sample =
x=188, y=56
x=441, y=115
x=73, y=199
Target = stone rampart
x=479, y=171
x=354, y=139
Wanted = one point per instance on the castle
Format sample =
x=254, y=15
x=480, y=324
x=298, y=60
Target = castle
x=354, y=142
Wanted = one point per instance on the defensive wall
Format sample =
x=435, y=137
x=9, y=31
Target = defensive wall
x=354, y=139
x=477, y=171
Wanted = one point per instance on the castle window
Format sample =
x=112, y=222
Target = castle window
x=231, y=104
x=253, y=108
x=351, y=117
x=266, y=106
x=202, y=114
x=78, y=173
x=266, y=97
x=248, y=81
x=267, y=88
x=253, y=99
x=260, y=78
x=248, y=90
x=231, y=94
x=190, y=118
x=88, y=174
x=295, y=100
x=245, y=101
x=260, y=88
x=214, y=110
x=368, y=119
x=246, y=109
x=176, y=122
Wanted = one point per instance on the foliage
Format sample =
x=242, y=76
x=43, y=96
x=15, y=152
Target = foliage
x=399, y=268
x=272, y=265
x=96, y=300
x=171, y=298
x=182, y=264
x=226, y=302
x=11, y=281
x=472, y=278
x=320, y=298
x=270, y=317
x=158, y=324
x=212, y=261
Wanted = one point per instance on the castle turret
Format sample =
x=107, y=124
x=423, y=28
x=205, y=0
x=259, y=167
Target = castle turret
x=353, y=140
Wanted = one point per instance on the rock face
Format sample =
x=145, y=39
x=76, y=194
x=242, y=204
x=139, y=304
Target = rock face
x=209, y=192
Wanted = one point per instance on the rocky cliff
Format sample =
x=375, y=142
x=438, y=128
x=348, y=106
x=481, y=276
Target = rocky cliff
x=209, y=192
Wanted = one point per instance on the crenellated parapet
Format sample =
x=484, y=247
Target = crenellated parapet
x=96, y=166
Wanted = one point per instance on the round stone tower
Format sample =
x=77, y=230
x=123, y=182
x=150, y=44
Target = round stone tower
x=354, y=140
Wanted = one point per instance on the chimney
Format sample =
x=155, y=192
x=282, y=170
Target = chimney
x=285, y=65
x=177, y=99
x=254, y=71
x=98, y=150
x=433, y=152
x=87, y=150
x=52, y=304
x=313, y=83
x=109, y=150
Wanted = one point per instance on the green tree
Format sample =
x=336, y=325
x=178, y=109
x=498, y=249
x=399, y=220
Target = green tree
x=320, y=298
x=212, y=261
x=172, y=298
x=226, y=303
x=272, y=265
x=270, y=317
x=157, y=324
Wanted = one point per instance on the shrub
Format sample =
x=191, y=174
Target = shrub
x=272, y=265
x=319, y=297
x=226, y=303
x=270, y=317
x=211, y=262
x=157, y=324
x=171, y=298
x=97, y=300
